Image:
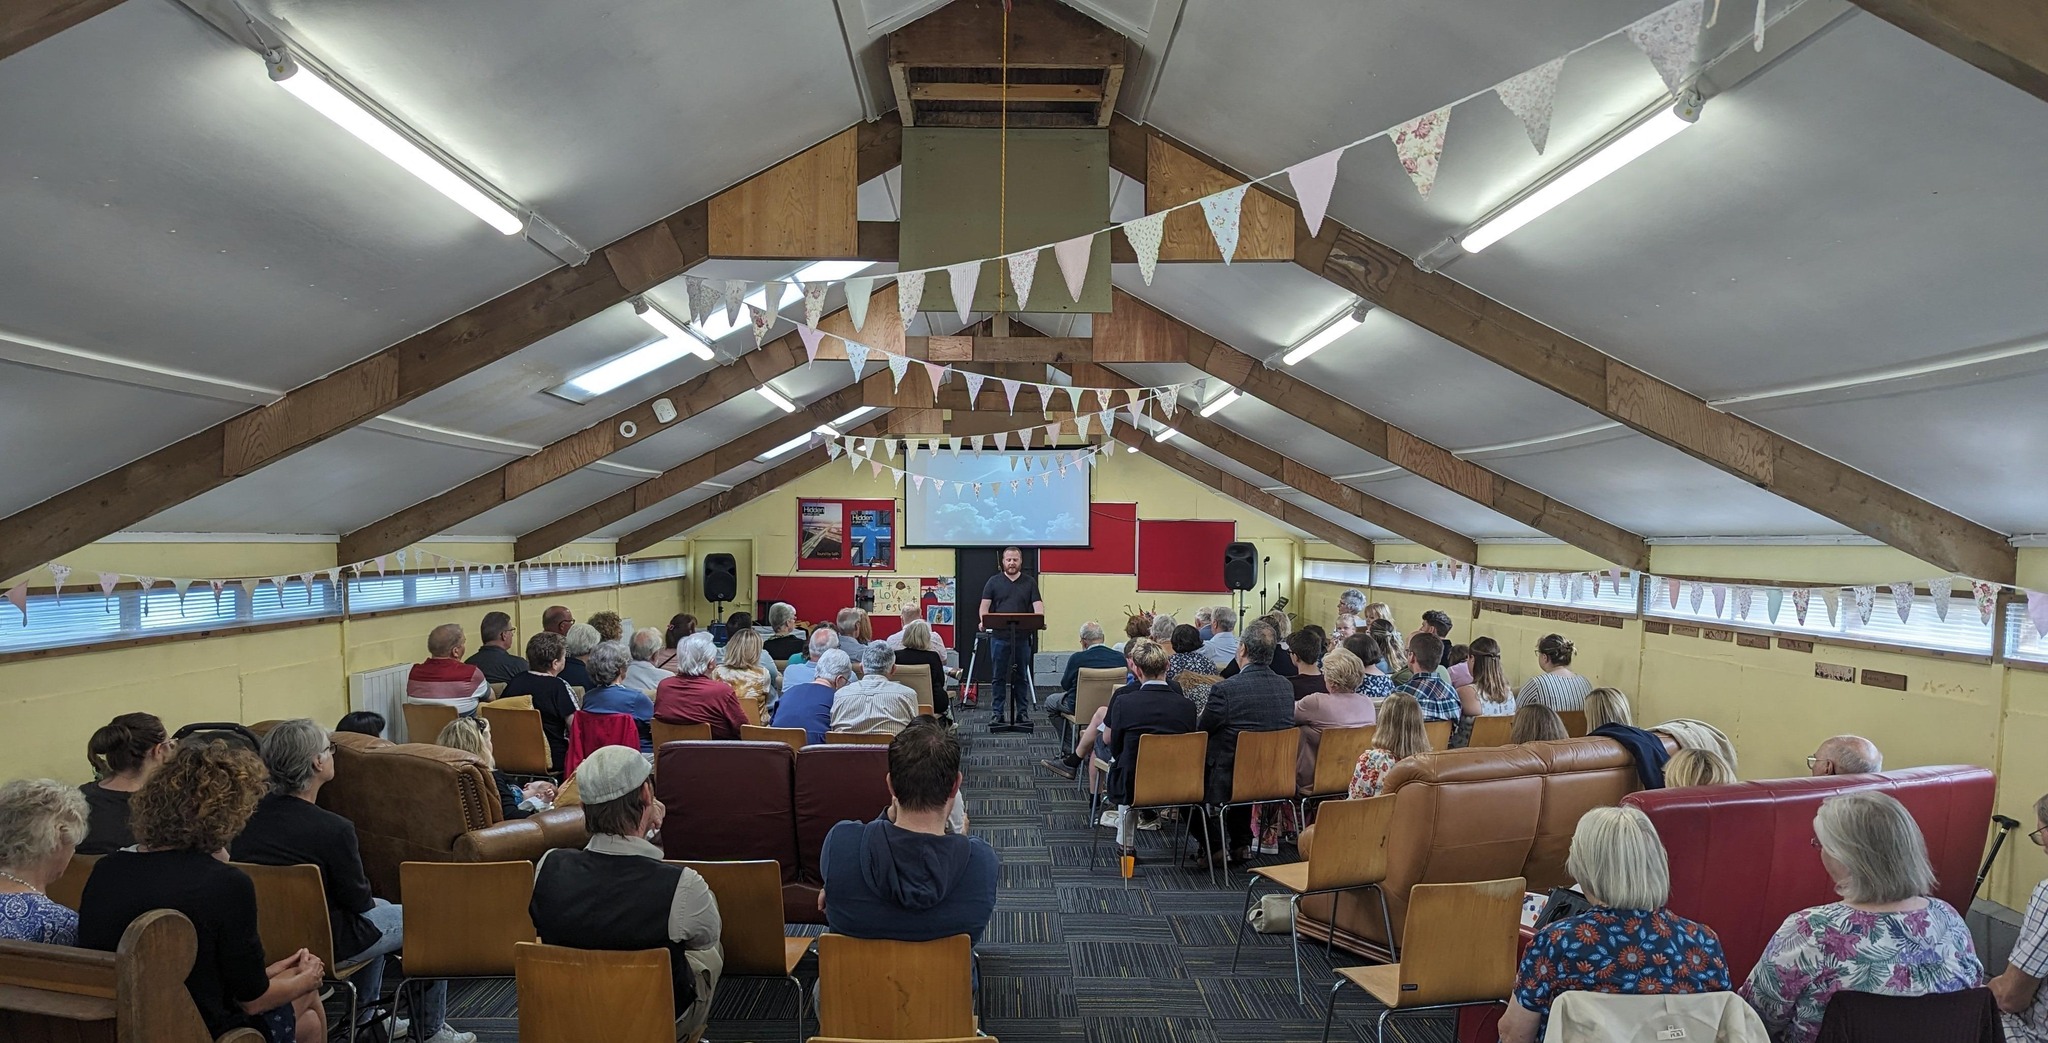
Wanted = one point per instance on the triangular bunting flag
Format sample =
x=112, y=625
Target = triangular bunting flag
x=1832, y=598
x=889, y=448
x=898, y=365
x=17, y=595
x=954, y=444
x=1072, y=255
x=1312, y=180
x=977, y=488
x=874, y=468
x=218, y=585
x=857, y=293
x=1144, y=234
x=974, y=381
x=1699, y=594
x=1902, y=599
x=771, y=297
x=896, y=475
x=1419, y=144
x=1866, y=600
x=1669, y=39
x=1774, y=599
x=1073, y=397
x=1023, y=268
x=1986, y=595
x=1002, y=441
x=762, y=320
x=936, y=373
x=978, y=441
x=380, y=564
x=735, y=295
x=909, y=296
x=1052, y=433
x=810, y=335
x=916, y=482
x=852, y=460
x=1531, y=96
x=832, y=450
x=1024, y=438
x=1103, y=396
x=963, y=277
x=1107, y=418
x=59, y=572
x=1800, y=599
x=1081, y=425
x=814, y=302
x=1940, y=590
x=704, y=298
x=1010, y=392
x=1720, y=600
x=2037, y=610
x=1222, y=209
x=1044, y=397
x=1671, y=591
x=857, y=354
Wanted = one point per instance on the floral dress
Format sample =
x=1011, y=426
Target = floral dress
x=1379, y=686
x=1820, y=951
x=1637, y=952
x=1371, y=773
x=33, y=918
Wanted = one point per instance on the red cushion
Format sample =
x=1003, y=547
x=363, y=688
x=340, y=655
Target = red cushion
x=835, y=784
x=1742, y=857
x=727, y=801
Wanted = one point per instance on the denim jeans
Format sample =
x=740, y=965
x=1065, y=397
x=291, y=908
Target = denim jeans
x=369, y=982
x=1012, y=671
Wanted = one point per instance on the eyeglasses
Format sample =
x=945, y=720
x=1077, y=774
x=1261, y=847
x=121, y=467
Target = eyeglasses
x=1815, y=841
x=2035, y=836
x=1812, y=762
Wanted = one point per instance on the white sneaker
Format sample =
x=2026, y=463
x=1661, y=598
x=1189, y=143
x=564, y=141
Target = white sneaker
x=1152, y=824
x=448, y=1034
x=396, y=1028
x=1108, y=820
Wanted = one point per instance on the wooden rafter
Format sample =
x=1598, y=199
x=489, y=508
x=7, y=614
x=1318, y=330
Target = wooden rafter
x=1256, y=498
x=398, y=374
x=1382, y=275
x=2006, y=38
x=27, y=22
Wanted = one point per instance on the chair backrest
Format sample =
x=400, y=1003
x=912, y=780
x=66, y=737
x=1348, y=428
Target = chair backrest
x=517, y=739
x=753, y=815
x=917, y=678
x=1460, y=941
x=424, y=721
x=835, y=784
x=1093, y=686
x=1170, y=769
x=291, y=911
x=751, y=706
x=794, y=738
x=576, y=693
x=858, y=738
x=1574, y=722
x=878, y=989
x=51, y=990
x=497, y=688
x=582, y=994
x=1351, y=843
x=1264, y=765
x=1492, y=731
x=1605, y=1017
x=1969, y=1016
x=1337, y=757
x=590, y=732
x=67, y=889
x=667, y=732
x=1439, y=733
x=463, y=918
x=750, y=914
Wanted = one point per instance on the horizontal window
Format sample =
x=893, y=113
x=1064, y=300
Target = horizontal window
x=83, y=617
x=402, y=590
x=1441, y=580
x=554, y=579
x=1585, y=591
x=1962, y=631
x=1355, y=573
x=640, y=570
x=2022, y=641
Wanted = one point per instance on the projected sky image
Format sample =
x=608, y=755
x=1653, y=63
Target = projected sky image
x=1041, y=515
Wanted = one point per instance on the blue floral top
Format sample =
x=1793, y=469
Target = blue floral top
x=1820, y=951
x=1628, y=951
x=1379, y=686
x=34, y=918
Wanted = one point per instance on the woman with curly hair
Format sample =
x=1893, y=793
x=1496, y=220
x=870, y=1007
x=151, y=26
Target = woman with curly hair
x=183, y=819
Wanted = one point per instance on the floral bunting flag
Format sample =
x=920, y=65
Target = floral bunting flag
x=1941, y=589
x=1902, y=599
x=1801, y=598
x=1312, y=180
x=762, y=320
x=852, y=460
x=1419, y=144
x=17, y=595
x=1072, y=255
x=857, y=293
x=832, y=451
x=1744, y=597
x=218, y=586
x=896, y=474
x=1866, y=600
x=1009, y=392
x=1024, y=439
x=1699, y=594
x=1774, y=599
x=814, y=302
x=60, y=573
x=1144, y=234
x=937, y=374
x=1107, y=418
x=704, y=297
x=810, y=335
x=974, y=381
x=909, y=296
x=898, y=365
x=2037, y=610
x=1102, y=397
x=978, y=442
x=1669, y=39
x=963, y=277
x=857, y=354
x=1023, y=267
x=1531, y=96
x=1986, y=595
x=916, y=482
x=1222, y=210
x=735, y=295
x=977, y=488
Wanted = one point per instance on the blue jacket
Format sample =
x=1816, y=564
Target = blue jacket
x=1094, y=657
x=883, y=881
x=807, y=706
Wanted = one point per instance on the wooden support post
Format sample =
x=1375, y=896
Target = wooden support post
x=27, y=22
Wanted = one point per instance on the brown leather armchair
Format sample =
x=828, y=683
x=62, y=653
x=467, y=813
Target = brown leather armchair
x=523, y=838
x=409, y=803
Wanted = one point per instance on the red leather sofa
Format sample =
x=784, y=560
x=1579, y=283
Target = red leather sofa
x=1742, y=857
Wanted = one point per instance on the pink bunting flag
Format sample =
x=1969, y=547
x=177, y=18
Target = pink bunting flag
x=1671, y=592
x=1221, y=210
x=1801, y=597
x=1531, y=96
x=1419, y=144
x=810, y=335
x=936, y=373
x=1144, y=234
x=1023, y=268
x=963, y=277
x=814, y=302
x=1670, y=38
x=1072, y=255
x=17, y=596
x=875, y=468
x=857, y=293
x=1312, y=180
x=916, y=482
x=1614, y=575
x=1902, y=599
x=1986, y=595
x=2037, y=610
x=909, y=296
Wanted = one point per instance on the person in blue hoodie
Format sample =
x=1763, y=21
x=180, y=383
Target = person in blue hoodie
x=906, y=876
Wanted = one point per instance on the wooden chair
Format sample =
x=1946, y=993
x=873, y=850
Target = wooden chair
x=666, y=732
x=497, y=688
x=58, y=994
x=794, y=738
x=1439, y=733
x=1574, y=722
x=751, y=706
x=926, y=710
x=918, y=679
x=66, y=890
x=462, y=920
x=957, y=1039
x=1336, y=759
x=576, y=693
x=750, y=912
x=1458, y=950
x=1492, y=731
x=1262, y=772
x=858, y=738
x=291, y=914
x=1350, y=853
x=1171, y=774
x=1093, y=686
x=890, y=990
x=424, y=721
x=517, y=739
x=576, y=995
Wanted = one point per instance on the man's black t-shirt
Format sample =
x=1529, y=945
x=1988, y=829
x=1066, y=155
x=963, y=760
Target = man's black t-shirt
x=1004, y=594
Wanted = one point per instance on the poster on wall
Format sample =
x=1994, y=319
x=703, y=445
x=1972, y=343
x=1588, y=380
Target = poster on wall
x=846, y=535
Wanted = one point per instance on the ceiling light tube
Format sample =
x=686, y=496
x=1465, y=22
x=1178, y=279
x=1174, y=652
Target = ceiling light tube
x=1322, y=338
x=1164, y=434
x=1228, y=396
x=1584, y=174
x=376, y=132
x=795, y=443
x=671, y=329
x=775, y=398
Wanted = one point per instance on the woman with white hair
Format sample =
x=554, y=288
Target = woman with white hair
x=579, y=642
x=41, y=823
x=693, y=696
x=1628, y=943
x=609, y=692
x=1885, y=936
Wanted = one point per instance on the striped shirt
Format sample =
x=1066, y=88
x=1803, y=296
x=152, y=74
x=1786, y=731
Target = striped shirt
x=1560, y=692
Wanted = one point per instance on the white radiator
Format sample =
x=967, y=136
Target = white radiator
x=382, y=691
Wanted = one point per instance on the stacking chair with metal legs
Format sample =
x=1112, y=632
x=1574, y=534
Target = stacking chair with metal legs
x=1458, y=949
x=594, y=994
x=1170, y=774
x=291, y=914
x=665, y=732
x=878, y=989
x=1491, y=731
x=1262, y=772
x=1336, y=759
x=751, y=930
x=794, y=738
x=1350, y=852
x=462, y=920
x=1093, y=685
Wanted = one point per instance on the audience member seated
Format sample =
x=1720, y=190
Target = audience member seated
x=1152, y=706
x=1886, y=936
x=1159, y=628
x=693, y=696
x=1696, y=768
x=1340, y=707
x=876, y=703
x=495, y=658
x=1375, y=682
x=809, y=705
x=444, y=679
x=607, y=666
x=473, y=735
x=919, y=649
x=1608, y=716
x=578, y=643
x=848, y=627
x=557, y=619
x=1187, y=653
x=1205, y=622
x=1094, y=655
x=1256, y=700
x=1628, y=943
x=1379, y=612
x=551, y=696
x=741, y=666
x=911, y=614
x=41, y=823
x=289, y=829
x=804, y=667
x=785, y=642
x=1283, y=661
x=123, y=753
x=1395, y=665
x=184, y=817
x=641, y=672
x=1439, y=701
x=1555, y=685
x=1482, y=688
x=1351, y=602
x=1398, y=736
x=1537, y=723
x=680, y=626
x=1845, y=755
x=1344, y=626
x=906, y=876
x=1221, y=645
x=365, y=722
x=609, y=626
x=1137, y=625
x=1305, y=650
x=2021, y=1002
x=615, y=893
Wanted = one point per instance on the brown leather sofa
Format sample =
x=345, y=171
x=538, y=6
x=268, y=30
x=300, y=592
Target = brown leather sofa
x=523, y=838
x=1476, y=814
x=409, y=802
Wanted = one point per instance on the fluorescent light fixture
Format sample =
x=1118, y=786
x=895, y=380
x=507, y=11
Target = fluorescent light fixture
x=631, y=365
x=1322, y=338
x=350, y=116
x=795, y=443
x=1164, y=433
x=827, y=430
x=830, y=271
x=853, y=416
x=669, y=328
x=1585, y=174
x=1227, y=397
x=775, y=398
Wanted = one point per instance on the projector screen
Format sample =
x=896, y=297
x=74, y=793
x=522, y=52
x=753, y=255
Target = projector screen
x=1041, y=515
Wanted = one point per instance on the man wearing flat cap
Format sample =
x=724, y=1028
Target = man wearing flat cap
x=616, y=893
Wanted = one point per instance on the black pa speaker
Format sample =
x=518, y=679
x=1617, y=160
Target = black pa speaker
x=721, y=578
x=1240, y=566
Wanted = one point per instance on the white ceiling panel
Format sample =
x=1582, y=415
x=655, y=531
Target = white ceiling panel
x=1332, y=514
x=60, y=429
x=563, y=496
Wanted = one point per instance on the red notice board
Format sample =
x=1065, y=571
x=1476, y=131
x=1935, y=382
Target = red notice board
x=1183, y=557
x=1113, y=544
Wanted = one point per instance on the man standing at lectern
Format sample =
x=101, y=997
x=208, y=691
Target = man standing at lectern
x=1010, y=591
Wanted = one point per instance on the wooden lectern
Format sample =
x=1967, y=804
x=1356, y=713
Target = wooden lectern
x=1013, y=626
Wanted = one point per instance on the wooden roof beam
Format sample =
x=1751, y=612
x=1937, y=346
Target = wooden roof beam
x=1256, y=498
x=2006, y=38
x=24, y=23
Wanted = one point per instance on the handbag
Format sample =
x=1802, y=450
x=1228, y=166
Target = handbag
x=1273, y=915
